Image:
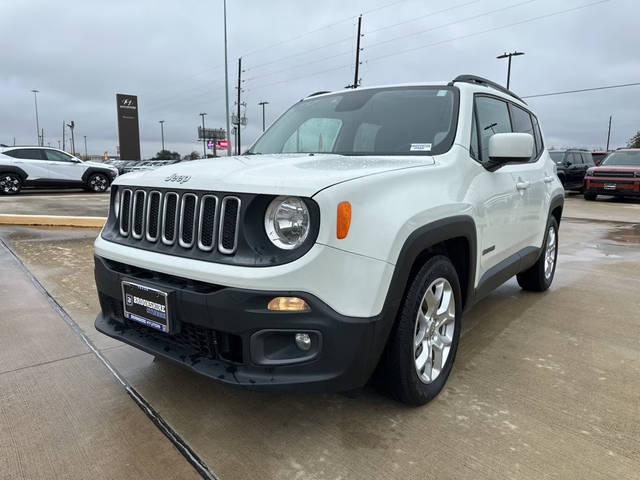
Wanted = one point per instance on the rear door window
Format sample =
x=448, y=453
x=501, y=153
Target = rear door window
x=493, y=117
x=26, y=153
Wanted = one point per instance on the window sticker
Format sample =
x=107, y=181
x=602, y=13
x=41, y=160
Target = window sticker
x=441, y=93
x=420, y=147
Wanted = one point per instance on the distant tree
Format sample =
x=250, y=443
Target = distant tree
x=192, y=156
x=635, y=141
x=167, y=155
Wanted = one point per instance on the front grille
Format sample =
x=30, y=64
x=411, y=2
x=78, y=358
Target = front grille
x=185, y=220
x=612, y=173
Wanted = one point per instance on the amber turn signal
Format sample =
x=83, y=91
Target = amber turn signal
x=344, y=219
x=288, y=304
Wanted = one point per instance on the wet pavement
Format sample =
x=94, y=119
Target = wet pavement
x=68, y=203
x=544, y=385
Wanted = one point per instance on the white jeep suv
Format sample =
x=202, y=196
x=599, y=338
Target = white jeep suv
x=346, y=242
x=49, y=167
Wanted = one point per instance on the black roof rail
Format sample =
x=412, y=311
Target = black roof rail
x=321, y=92
x=483, y=81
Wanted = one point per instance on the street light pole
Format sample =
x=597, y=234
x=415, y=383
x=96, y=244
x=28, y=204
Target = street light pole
x=86, y=155
x=204, y=137
x=161, y=122
x=263, y=122
x=226, y=81
x=35, y=99
x=509, y=55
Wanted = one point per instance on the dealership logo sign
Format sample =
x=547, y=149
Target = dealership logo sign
x=127, y=103
x=178, y=178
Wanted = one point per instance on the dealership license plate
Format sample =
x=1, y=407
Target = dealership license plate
x=609, y=186
x=146, y=305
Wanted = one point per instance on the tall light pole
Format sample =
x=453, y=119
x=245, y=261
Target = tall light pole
x=263, y=104
x=86, y=155
x=509, y=55
x=161, y=122
x=35, y=99
x=609, y=133
x=226, y=81
x=204, y=137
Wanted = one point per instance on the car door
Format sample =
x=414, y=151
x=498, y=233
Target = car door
x=32, y=162
x=64, y=168
x=575, y=170
x=499, y=203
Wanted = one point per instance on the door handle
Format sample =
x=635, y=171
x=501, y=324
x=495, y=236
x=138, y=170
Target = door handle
x=522, y=185
x=548, y=179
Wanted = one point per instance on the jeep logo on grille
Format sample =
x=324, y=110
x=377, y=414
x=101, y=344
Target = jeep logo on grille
x=178, y=178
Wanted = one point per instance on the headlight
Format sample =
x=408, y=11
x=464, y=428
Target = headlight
x=116, y=204
x=590, y=171
x=287, y=222
x=637, y=174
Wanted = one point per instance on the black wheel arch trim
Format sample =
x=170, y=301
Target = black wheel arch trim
x=13, y=169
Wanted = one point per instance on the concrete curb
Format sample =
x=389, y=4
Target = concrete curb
x=52, y=220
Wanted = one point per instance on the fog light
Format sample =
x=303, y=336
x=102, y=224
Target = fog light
x=288, y=304
x=303, y=341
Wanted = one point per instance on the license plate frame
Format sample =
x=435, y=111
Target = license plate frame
x=146, y=305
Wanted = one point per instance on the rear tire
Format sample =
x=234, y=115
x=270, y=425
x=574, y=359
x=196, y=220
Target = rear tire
x=423, y=343
x=590, y=196
x=538, y=278
x=97, y=183
x=10, y=184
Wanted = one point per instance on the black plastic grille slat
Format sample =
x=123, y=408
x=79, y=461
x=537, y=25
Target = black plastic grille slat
x=138, y=214
x=170, y=217
x=153, y=215
x=612, y=173
x=229, y=223
x=125, y=211
x=188, y=218
x=208, y=226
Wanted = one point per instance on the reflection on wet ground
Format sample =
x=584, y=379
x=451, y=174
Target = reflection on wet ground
x=544, y=385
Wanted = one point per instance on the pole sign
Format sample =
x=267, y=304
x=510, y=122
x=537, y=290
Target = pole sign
x=221, y=144
x=211, y=133
x=128, y=129
x=210, y=144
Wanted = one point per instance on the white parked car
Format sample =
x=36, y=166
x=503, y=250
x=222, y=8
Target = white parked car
x=346, y=242
x=52, y=168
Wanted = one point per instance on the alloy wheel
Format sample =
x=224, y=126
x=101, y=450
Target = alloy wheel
x=98, y=183
x=434, y=329
x=550, y=252
x=9, y=184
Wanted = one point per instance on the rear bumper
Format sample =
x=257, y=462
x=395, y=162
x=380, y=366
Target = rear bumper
x=218, y=332
x=623, y=186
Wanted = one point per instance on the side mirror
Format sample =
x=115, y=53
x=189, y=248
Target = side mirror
x=509, y=148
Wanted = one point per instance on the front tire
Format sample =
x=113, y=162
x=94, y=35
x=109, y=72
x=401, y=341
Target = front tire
x=590, y=196
x=423, y=343
x=538, y=278
x=98, y=183
x=10, y=183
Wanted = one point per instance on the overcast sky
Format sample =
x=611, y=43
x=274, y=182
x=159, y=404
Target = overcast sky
x=80, y=53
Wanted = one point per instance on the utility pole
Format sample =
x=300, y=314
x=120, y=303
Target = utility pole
x=263, y=122
x=356, y=79
x=161, y=122
x=204, y=139
x=609, y=133
x=73, y=141
x=239, y=102
x=35, y=100
x=509, y=55
x=64, y=143
x=226, y=81
x=86, y=155
x=42, y=137
x=58, y=144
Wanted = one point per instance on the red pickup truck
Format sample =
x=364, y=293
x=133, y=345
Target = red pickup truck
x=618, y=174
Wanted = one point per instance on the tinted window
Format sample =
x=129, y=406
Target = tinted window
x=587, y=159
x=388, y=121
x=56, y=156
x=521, y=121
x=493, y=117
x=26, y=153
x=538, y=135
x=557, y=157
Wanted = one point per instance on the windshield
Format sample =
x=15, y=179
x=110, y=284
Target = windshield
x=389, y=121
x=557, y=156
x=622, y=158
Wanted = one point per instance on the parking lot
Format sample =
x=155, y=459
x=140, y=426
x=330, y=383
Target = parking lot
x=544, y=386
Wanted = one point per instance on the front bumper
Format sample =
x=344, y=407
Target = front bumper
x=215, y=326
x=623, y=186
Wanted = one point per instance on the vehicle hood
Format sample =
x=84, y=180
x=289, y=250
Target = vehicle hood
x=278, y=174
x=616, y=168
x=99, y=165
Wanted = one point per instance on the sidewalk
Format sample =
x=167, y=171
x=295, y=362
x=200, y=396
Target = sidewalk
x=62, y=414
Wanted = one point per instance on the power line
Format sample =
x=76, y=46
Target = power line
x=607, y=87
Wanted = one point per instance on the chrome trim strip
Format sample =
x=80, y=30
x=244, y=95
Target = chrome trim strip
x=132, y=227
x=221, y=249
x=181, y=242
x=125, y=233
x=148, y=216
x=164, y=218
x=215, y=219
